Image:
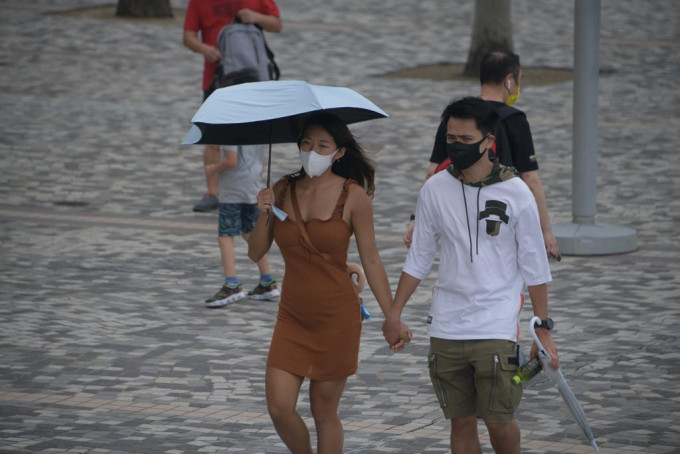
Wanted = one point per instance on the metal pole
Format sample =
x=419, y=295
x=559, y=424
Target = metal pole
x=586, y=74
x=584, y=236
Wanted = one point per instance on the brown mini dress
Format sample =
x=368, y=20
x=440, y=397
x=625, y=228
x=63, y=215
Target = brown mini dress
x=318, y=326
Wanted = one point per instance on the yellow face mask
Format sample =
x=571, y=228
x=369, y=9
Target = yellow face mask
x=512, y=99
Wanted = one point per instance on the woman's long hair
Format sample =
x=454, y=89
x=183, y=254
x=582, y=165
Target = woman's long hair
x=354, y=164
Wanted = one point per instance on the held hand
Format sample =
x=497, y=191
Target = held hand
x=406, y=337
x=546, y=339
x=247, y=16
x=392, y=330
x=408, y=236
x=265, y=199
x=211, y=54
x=552, y=248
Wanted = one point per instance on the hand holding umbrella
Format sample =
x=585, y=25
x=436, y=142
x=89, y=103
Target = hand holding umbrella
x=556, y=376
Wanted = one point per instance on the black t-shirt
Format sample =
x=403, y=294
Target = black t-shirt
x=514, y=143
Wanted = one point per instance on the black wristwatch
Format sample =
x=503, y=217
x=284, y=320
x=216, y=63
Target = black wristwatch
x=413, y=216
x=546, y=324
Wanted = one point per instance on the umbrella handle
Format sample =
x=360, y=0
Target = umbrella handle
x=542, y=352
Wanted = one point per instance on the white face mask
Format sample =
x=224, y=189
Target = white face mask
x=316, y=164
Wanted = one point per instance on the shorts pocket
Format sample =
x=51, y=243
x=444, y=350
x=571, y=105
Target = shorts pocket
x=436, y=382
x=504, y=396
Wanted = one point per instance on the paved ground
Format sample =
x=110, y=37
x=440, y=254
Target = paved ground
x=105, y=345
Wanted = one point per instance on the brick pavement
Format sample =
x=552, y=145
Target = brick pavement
x=106, y=347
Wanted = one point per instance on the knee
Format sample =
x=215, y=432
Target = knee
x=323, y=410
x=502, y=429
x=467, y=424
x=279, y=412
x=500, y=426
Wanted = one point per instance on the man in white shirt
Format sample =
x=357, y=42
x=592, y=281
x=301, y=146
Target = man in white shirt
x=487, y=223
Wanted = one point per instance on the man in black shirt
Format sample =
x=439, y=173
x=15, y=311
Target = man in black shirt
x=500, y=77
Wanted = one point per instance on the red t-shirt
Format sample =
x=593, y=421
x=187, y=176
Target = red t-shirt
x=209, y=16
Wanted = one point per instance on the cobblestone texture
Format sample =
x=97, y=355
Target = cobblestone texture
x=105, y=344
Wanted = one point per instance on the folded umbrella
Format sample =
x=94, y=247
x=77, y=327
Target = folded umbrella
x=565, y=391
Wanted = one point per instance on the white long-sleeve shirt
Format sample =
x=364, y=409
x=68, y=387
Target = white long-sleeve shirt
x=491, y=246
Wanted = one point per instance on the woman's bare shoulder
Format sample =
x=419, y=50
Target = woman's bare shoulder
x=356, y=193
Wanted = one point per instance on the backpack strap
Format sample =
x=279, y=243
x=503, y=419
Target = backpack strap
x=274, y=70
x=506, y=111
x=502, y=143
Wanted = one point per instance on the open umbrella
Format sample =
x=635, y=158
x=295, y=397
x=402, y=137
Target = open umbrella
x=564, y=389
x=272, y=112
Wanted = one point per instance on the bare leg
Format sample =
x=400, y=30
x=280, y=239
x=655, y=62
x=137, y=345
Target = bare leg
x=282, y=390
x=464, y=436
x=324, y=397
x=263, y=263
x=211, y=155
x=505, y=437
x=228, y=257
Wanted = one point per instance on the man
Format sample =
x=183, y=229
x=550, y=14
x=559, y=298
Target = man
x=485, y=219
x=207, y=17
x=501, y=77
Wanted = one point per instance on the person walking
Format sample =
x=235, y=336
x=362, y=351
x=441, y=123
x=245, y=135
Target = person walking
x=318, y=326
x=207, y=17
x=501, y=78
x=486, y=222
x=240, y=179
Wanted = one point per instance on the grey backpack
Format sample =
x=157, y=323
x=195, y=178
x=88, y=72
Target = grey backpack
x=243, y=46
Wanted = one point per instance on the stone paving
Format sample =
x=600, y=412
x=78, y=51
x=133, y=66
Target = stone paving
x=105, y=345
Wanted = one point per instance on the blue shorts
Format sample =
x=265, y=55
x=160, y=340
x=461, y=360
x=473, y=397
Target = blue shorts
x=237, y=218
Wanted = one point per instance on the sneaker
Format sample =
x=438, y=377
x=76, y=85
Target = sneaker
x=268, y=291
x=227, y=295
x=208, y=203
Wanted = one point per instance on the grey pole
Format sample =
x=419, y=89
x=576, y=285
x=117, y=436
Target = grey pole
x=585, y=111
x=584, y=236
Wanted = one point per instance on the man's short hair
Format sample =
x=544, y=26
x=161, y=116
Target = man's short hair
x=484, y=113
x=498, y=64
x=239, y=77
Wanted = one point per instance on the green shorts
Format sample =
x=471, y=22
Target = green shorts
x=473, y=377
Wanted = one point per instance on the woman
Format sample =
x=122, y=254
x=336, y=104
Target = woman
x=319, y=322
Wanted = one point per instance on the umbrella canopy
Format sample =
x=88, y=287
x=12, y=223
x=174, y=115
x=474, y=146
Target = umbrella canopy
x=565, y=391
x=272, y=112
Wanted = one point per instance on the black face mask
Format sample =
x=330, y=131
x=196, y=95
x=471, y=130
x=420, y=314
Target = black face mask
x=464, y=155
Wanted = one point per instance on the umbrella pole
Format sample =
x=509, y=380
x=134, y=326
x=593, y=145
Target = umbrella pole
x=269, y=161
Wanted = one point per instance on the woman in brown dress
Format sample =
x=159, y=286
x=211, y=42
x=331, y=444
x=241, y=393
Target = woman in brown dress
x=319, y=321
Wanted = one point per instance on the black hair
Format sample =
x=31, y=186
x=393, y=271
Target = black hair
x=496, y=65
x=354, y=164
x=484, y=113
x=241, y=76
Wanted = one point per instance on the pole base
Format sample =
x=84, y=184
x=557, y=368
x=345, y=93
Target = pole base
x=594, y=239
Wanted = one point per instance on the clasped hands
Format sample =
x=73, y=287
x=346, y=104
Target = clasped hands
x=396, y=333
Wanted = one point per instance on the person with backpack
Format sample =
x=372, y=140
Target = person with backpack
x=208, y=18
x=240, y=176
x=500, y=77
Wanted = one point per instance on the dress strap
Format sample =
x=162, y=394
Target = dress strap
x=281, y=194
x=340, y=205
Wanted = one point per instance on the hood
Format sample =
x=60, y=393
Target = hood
x=499, y=173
